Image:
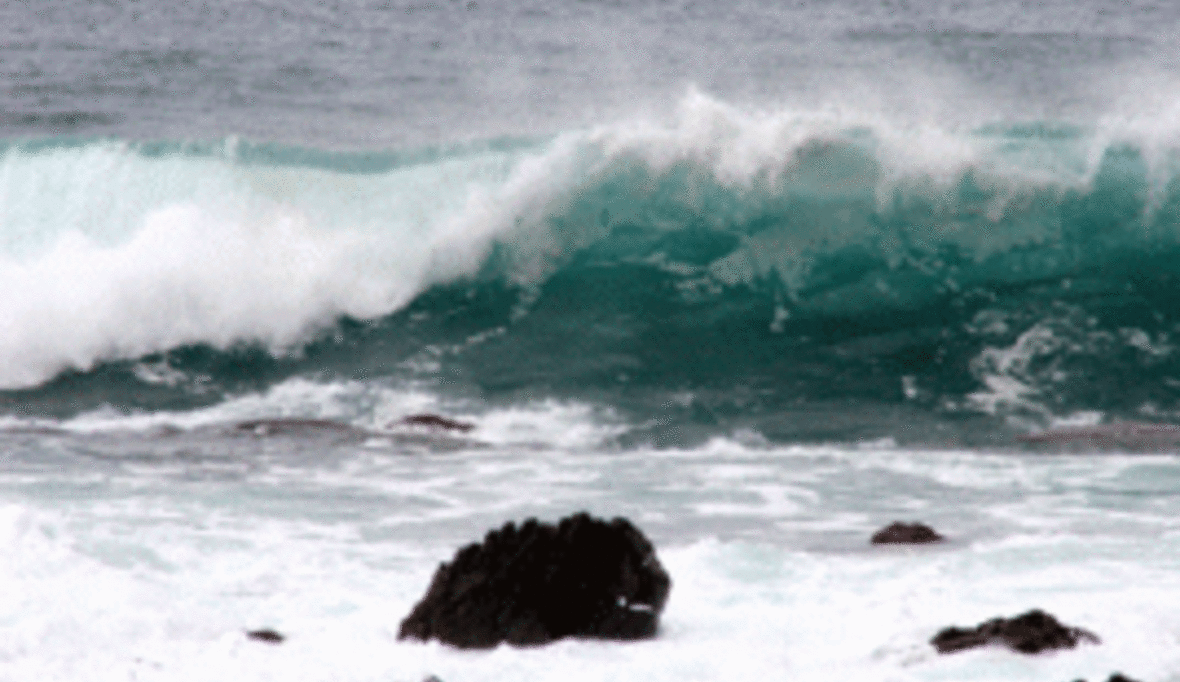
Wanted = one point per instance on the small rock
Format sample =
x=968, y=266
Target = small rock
x=534, y=583
x=266, y=635
x=898, y=533
x=1028, y=633
x=436, y=421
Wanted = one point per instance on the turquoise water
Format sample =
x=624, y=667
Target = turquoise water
x=1021, y=272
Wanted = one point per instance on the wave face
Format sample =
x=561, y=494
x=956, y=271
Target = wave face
x=725, y=263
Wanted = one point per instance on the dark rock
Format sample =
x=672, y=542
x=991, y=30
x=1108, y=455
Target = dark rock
x=906, y=534
x=435, y=421
x=1115, y=677
x=538, y=582
x=266, y=635
x=1029, y=633
x=297, y=426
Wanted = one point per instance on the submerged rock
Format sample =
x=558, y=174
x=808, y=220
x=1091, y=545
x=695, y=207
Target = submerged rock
x=436, y=421
x=906, y=534
x=266, y=635
x=1028, y=633
x=1115, y=677
x=536, y=583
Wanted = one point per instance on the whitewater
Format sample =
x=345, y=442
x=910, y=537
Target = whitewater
x=761, y=278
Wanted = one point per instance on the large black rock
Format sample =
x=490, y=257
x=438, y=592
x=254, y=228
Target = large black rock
x=1030, y=633
x=535, y=583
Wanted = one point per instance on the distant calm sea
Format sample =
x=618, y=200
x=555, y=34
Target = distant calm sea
x=760, y=276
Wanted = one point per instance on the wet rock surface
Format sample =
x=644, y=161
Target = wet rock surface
x=900, y=533
x=1029, y=633
x=538, y=582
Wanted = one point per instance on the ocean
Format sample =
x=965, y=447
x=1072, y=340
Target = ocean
x=761, y=277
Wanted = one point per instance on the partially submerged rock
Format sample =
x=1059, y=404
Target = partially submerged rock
x=266, y=635
x=900, y=533
x=1028, y=633
x=435, y=421
x=296, y=426
x=1115, y=677
x=1131, y=436
x=536, y=583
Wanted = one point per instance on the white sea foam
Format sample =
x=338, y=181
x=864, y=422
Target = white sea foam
x=112, y=255
x=140, y=573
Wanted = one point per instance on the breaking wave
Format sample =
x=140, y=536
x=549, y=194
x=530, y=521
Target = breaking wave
x=748, y=259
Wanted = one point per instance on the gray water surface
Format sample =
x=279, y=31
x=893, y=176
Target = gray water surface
x=379, y=73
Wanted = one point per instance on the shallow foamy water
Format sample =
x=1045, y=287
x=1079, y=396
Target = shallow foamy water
x=147, y=555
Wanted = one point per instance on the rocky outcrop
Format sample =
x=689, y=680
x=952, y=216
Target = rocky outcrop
x=899, y=533
x=1028, y=633
x=538, y=582
x=1115, y=677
